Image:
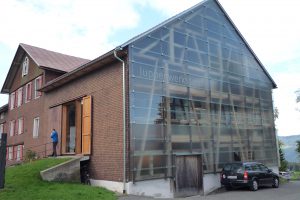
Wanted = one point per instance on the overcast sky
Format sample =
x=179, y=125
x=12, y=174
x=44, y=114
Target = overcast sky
x=87, y=28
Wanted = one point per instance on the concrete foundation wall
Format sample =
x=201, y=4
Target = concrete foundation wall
x=65, y=172
x=156, y=188
x=211, y=182
x=160, y=188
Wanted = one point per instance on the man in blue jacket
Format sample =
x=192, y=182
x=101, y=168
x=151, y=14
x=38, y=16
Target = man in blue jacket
x=54, y=137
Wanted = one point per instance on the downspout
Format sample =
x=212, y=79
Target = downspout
x=124, y=117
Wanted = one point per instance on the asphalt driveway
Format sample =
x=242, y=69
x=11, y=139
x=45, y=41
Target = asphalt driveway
x=287, y=191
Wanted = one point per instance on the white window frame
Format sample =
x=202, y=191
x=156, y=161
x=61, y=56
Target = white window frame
x=19, y=97
x=37, y=85
x=1, y=130
x=28, y=92
x=19, y=152
x=25, y=66
x=10, y=153
x=12, y=125
x=36, y=126
x=12, y=100
x=2, y=115
x=20, y=125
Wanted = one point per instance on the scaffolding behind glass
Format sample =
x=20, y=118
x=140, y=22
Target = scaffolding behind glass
x=196, y=88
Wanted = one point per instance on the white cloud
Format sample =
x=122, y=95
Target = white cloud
x=76, y=27
x=270, y=26
x=285, y=100
x=83, y=28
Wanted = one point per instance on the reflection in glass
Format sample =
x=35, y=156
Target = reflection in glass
x=196, y=88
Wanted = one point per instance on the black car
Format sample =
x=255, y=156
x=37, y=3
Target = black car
x=248, y=174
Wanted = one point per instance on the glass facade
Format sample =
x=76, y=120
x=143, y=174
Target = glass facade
x=196, y=88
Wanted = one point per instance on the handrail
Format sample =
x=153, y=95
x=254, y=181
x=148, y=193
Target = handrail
x=40, y=153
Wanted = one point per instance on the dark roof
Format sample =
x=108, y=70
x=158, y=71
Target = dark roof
x=82, y=70
x=53, y=60
x=57, y=82
x=43, y=58
x=4, y=108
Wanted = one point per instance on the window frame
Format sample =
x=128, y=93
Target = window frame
x=37, y=86
x=36, y=126
x=19, y=153
x=12, y=100
x=10, y=153
x=2, y=115
x=1, y=129
x=28, y=92
x=20, y=125
x=25, y=66
x=19, y=97
x=12, y=127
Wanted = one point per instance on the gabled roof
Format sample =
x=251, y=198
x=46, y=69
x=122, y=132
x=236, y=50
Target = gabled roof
x=4, y=108
x=44, y=59
x=58, y=82
x=53, y=60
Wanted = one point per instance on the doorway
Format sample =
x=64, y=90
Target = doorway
x=71, y=132
x=76, y=126
x=188, y=175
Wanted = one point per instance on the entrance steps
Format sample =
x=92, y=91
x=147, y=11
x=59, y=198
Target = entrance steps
x=68, y=171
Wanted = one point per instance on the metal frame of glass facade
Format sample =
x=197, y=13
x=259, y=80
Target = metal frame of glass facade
x=196, y=88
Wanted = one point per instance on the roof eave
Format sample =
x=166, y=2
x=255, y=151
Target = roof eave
x=4, y=108
x=80, y=71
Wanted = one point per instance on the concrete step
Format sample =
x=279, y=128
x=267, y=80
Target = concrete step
x=68, y=171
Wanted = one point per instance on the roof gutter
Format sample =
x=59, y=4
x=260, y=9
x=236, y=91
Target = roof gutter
x=124, y=116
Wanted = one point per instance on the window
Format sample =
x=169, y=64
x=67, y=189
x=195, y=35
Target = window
x=2, y=115
x=19, y=152
x=28, y=92
x=37, y=85
x=12, y=127
x=36, y=122
x=25, y=66
x=1, y=130
x=20, y=125
x=10, y=153
x=19, y=97
x=12, y=100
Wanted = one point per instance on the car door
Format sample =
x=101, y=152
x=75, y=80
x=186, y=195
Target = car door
x=267, y=174
x=260, y=175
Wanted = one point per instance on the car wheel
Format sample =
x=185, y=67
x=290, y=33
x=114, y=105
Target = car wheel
x=275, y=183
x=254, y=185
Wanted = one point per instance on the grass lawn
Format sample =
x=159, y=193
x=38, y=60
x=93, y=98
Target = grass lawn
x=296, y=175
x=24, y=182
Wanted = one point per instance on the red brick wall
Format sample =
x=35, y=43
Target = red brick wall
x=30, y=110
x=105, y=87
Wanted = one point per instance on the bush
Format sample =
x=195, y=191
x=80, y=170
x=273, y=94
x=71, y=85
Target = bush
x=30, y=156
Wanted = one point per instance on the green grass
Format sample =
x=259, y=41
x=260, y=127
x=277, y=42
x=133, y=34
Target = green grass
x=296, y=175
x=24, y=182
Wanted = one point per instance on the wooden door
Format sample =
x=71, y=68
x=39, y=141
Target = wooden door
x=189, y=175
x=86, y=124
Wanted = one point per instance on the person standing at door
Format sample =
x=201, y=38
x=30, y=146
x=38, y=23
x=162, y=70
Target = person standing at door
x=54, y=137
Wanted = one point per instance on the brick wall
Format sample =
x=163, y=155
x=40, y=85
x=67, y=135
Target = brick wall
x=105, y=87
x=30, y=110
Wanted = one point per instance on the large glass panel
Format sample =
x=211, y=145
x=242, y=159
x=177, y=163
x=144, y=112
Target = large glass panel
x=196, y=88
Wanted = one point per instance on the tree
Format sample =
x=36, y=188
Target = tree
x=283, y=162
x=298, y=147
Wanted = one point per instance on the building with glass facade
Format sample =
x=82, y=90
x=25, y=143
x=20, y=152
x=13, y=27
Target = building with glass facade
x=197, y=88
x=194, y=96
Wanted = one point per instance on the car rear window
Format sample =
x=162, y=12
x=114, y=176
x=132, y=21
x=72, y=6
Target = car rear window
x=234, y=167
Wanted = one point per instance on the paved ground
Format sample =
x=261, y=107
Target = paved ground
x=288, y=191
